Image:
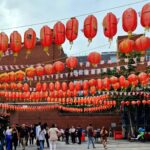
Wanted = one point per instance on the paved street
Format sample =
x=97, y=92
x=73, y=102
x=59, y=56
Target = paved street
x=113, y=145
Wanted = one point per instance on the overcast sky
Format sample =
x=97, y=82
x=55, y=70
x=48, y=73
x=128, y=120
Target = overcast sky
x=22, y=12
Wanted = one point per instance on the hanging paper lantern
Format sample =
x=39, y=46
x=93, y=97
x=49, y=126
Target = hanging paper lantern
x=129, y=20
x=126, y=46
x=3, y=43
x=110, y=25
x=127, y=103
x=142, y=76
x=59, y=33
x=113, y=80
x=13, y=86
x=51, y=86
x=29, y=40
x=57, y=85
x=20, y=75
x=19, y=86
x=144, y=102
x=90, y=27
x=85, y=92
x=142, y=44
x=94, y=58
x=59, y=66
x=26, y=87
x=116, y=86
x=72, y=29
x=93, y=90
x=145, y=16
x=78, y=85
x=92, y=82
x=64, y=86
x=49, y=69
x=30, y=72
x=44, y=87
x=138, y=102
x=71, y=62
x=12, y=76
x=133, y=103
x=106, y=83
x=125, y=85
x=46, y=38
x=85, y=85
x=71, y=86
x=38, y=87
x=99, y=84
x=39, y=71
x=132, y=78
x=15, y=42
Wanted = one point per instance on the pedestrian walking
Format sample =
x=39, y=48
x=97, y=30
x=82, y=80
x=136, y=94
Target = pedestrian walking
x=41, y=137
x=104, y=134
x=67, y=134
x=90, y=135
x=2, y=137
x=53, y=134
x=15, y=137
x=72, y=132
x=9, y=138
x=79, y=134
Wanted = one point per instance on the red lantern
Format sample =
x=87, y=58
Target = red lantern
x=145, y=16
x=92, y=82
x=85, y=85
x=90, y=27
x=59, y=66
x=85, y=93
x=15, y=42
x=122, y=103
x=19, y=86
x=71, y=86
x=39, y=71
x=44, y=87
x=116, y=86
x=51, y=86
x=110, y=25
x=129, y=20
x=64, y=86
x=113, y=80
x=133, y=103
x=132, y=78
x=38, y=87
x=126, y=46
x=20, y=75
x=49, y=69
x=142, y=44
x=94, y=58
x=12, y=76
x=30, y=72
x=77, y=85
x=59, y=33
x=93, y=90
x=46, y=38
x=138, y=102
x=127, y=103
x=106, y=83
x=144, y=102
x=57, y=85
x=99, y=84
x=3, y=43
x=142, y=76
x=29, y=40
x=71, y=62
x=72, y=29
x=26, y=87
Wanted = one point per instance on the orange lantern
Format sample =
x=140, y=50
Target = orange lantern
x=90, y=27
x=77, y=85
x=71, y=86
x=51, y=86
x=57, y=85
x=29, y=40
x=46, y=36
x=85, y=85
x=110, y=25
x=15, y=42
x=145, y=16
x=99, y=84
x=126, y=46
x=59, y=66
x=64, y=86
x=26, y=87
x=72, y=29
x=20, y=75
x=49, y=69
x=59, y=33
x=71, y=62
x=39, y=71
x=30, y=72
x=38, y=87
x=3, y=43
x=94, y=58
x=113, y=80
x=129, y=20
x=44, y=87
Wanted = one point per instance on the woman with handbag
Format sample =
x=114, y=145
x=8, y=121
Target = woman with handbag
x=53, y=134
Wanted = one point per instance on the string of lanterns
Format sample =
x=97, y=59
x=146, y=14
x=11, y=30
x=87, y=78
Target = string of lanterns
x=59, y=32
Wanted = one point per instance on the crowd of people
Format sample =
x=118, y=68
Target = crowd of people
x=42, y=135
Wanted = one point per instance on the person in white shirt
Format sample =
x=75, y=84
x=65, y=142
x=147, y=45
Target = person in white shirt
x=72, y=132
x=8, y=138
x=53, y=134
x=41, y=137
x=38, y=129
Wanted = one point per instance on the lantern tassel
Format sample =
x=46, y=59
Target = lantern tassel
x=71, y=45
x=89, y=42
x=110, y=41
x=46, y=48
x=28, y=53
x=129, y=34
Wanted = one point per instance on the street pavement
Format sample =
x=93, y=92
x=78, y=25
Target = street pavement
x=112, y=145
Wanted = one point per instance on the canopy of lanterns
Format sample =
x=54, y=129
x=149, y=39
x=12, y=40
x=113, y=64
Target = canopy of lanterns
x=60, y=33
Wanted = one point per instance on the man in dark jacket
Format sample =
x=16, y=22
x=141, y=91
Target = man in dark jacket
x=2, y=137
x=79, y=134
x=67, y=134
